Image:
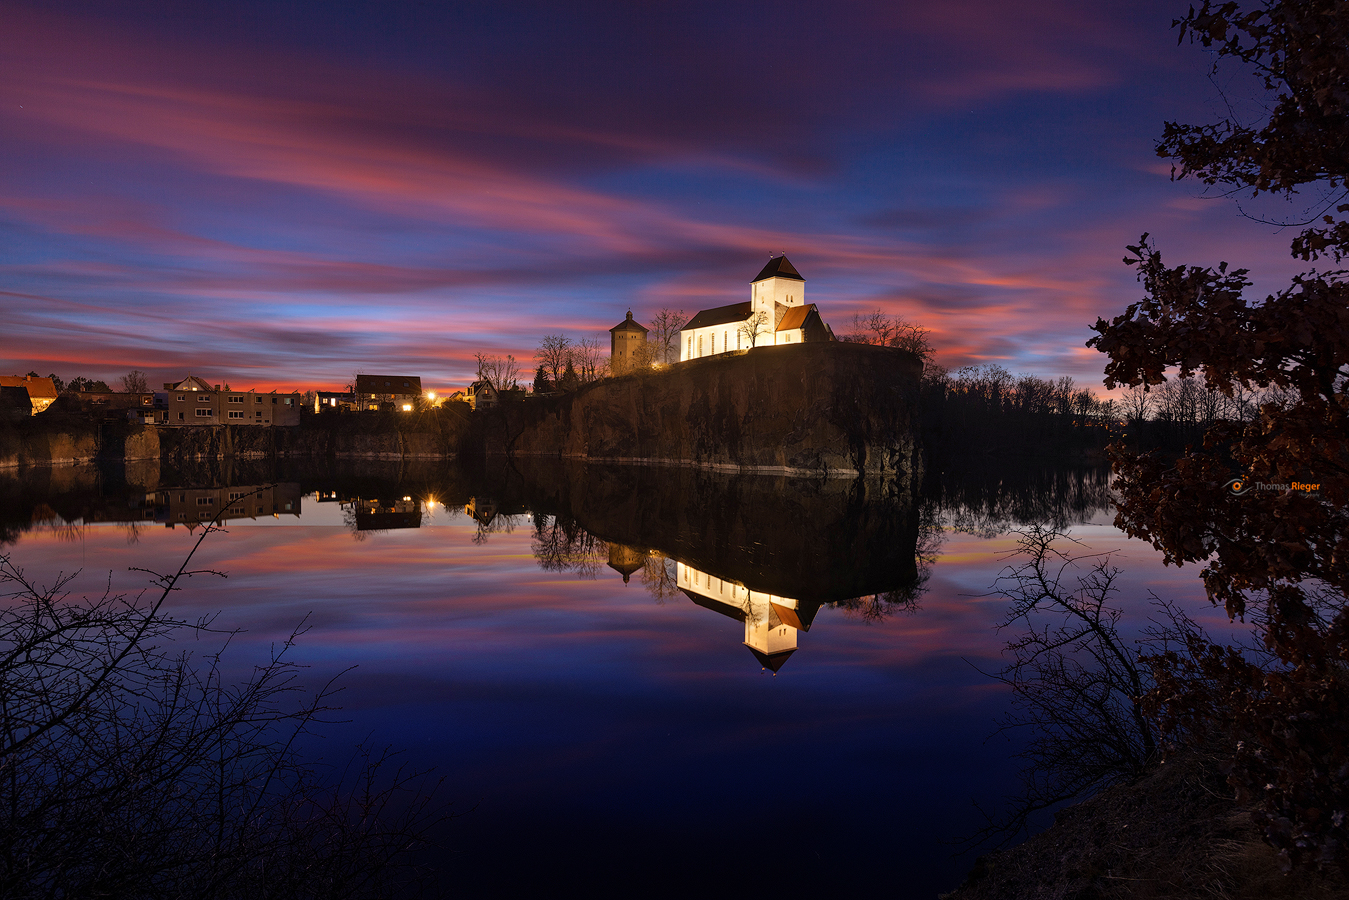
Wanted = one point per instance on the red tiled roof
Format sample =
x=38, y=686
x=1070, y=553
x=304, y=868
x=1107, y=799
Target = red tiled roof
x=795, y=317
x=38, y=388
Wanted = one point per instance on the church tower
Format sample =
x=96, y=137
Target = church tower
x=778, y=284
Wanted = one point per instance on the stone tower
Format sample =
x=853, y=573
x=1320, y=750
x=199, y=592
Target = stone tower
x=625, y=339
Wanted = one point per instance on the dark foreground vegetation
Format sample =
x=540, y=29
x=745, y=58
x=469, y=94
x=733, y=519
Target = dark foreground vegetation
x=1256, y=735
x=132, y=767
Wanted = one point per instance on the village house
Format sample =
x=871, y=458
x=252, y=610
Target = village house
x=14, y=404
x=334, y=401
x=775, y=315
x=41, y=391
x=193, y=506
x=193, y=401
x=388, y=391
x=137, y=405
x=481, y=395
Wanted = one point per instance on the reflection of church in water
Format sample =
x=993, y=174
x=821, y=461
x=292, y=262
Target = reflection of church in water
x=771, y=622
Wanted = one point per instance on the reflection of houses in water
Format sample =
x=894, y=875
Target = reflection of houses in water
x=626, y=560
x=771, y=622
x=192, y=506
x=482, y=510
x=374, y=514
x=379, y=515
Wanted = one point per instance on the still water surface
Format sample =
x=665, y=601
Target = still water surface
x=628, y=677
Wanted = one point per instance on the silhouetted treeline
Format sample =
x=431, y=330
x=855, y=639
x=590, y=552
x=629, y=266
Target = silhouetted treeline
x=986, y=410
x=1178, y=412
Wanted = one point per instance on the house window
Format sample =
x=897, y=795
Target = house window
x=203, y=413
x=234, y=413
x=181, y=398
x=203, y=399
x=258, y=399
x=180, y=417
x=206, y=501
x=236, y=399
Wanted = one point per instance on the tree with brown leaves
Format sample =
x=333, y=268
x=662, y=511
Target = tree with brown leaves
x=1261, y=504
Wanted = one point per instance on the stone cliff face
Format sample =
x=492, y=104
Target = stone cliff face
x=69, y=440
x=808, y=409
x=51, y=442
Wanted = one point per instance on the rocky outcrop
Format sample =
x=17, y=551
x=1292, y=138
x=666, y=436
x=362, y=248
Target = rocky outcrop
x=49, y=443
x=71, y=439
x=807, y=409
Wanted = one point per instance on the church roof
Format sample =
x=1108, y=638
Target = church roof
x=720, y=315
x=726, y=609
x=771, y=661
x=628, y=325
x=795, y=317
x=779, y=267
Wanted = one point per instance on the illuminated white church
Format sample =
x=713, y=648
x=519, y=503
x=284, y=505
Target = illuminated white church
x=775, y=314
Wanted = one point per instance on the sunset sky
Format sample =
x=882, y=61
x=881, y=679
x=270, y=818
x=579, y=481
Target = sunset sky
x=280, y=194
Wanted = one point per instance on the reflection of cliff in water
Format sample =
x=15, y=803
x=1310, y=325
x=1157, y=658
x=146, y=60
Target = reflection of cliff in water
x=767, y=551
x=825, y=539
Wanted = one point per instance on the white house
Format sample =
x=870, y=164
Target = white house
x=775, y=314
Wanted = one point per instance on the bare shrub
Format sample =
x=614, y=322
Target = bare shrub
x=135, y=382
x=1076, y=685
x=130, y=768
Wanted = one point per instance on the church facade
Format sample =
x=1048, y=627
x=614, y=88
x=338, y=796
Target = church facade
x=776, y=314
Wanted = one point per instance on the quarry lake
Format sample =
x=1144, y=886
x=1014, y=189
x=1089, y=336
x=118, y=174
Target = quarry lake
x=630, y=679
